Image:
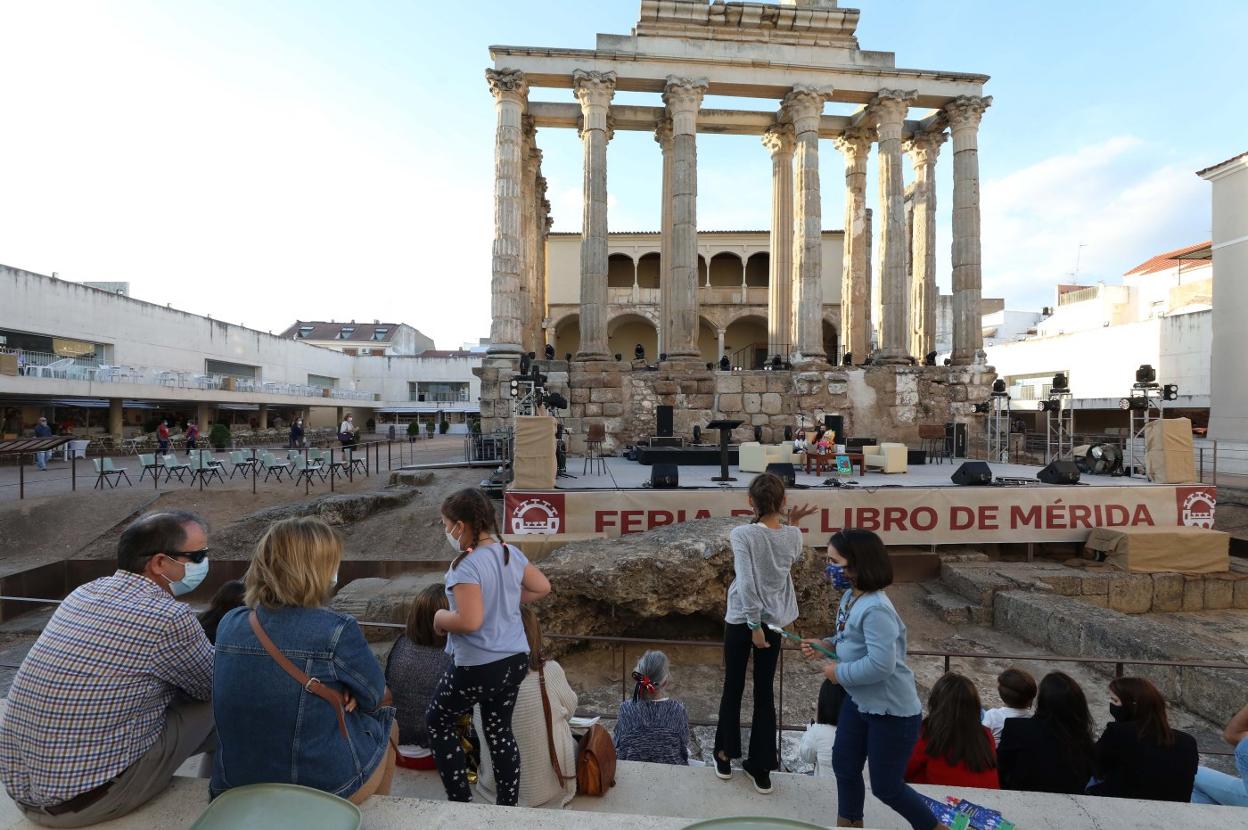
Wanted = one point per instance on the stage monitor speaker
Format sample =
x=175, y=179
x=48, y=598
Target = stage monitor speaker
x=785, y=472
x=972, y=472
x=1060, y=472
x=956, y=439
x=836, y=423
x=665, y=422
x=664, y=476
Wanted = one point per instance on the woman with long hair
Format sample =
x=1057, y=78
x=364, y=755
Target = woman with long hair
x=880, y=718
x=652, y=727
x=1051, y=751
x=1139, y=755
x=485, y=585
x=761, y=594
x=416, y=665
x=954, y=748
x=274, y=724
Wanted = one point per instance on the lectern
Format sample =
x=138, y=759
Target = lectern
x=725, y=432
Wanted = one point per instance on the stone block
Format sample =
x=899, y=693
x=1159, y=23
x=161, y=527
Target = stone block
x=706, y=387
x=578, y=396
x=1099, y=600
x=1094, y=584
x=1193, y=593
x=727, y=383
x=593, y=410
x=1240, y=597
x=758, y=420
x=687, y=387
x=613, y=410
x=976, y=584
x=777, y=382
x=730, y=402
x=752, y=403
x=1068, y=585
x=772, y=403
x=838, y=388
x=754, y=383
x=700, y=401
x=665, y=387
x=1167, y=592
x=606, y=395
x=1131, y=593
x=1219, y=592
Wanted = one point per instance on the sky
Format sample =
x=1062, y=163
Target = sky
x=263, y=162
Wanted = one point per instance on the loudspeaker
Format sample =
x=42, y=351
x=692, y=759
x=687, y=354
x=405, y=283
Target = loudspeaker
x=836, y=423
x=664, y=476
x=664, y=422
x=1060, y=472
x=972, y=472
x=956, y=439
x=785, y=472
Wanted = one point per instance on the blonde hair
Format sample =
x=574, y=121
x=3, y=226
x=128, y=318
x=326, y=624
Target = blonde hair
x=293, y=564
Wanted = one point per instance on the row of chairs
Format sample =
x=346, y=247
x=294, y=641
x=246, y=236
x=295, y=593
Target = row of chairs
x=203, y=465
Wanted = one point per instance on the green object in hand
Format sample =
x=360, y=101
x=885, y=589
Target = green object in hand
x=819, y=647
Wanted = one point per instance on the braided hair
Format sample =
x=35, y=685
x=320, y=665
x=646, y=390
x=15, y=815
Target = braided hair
x=474, y=508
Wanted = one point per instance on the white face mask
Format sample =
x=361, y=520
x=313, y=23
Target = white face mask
x=193, y=574
x=453, y=542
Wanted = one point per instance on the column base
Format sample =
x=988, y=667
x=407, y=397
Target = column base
x=505, y=349
x=592, y=356
x=892, y=358
x=813, y=362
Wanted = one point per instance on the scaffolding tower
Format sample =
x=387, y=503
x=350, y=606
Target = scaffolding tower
x=1145, y=407
x=1059, y=419
x=999, y=427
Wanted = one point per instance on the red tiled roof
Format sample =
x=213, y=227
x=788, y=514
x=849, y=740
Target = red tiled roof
x=1170, y=259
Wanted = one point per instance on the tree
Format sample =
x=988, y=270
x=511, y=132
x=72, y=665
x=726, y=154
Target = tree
x=444, y=427
x=219, y=436
x=413, y=430
x=429, y=428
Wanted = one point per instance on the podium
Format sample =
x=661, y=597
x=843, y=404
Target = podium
x=725, y=432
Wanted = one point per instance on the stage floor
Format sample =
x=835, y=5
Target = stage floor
x=623, y=474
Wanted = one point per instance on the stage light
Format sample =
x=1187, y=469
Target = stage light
x=776, y=363
x=663, y=356
x=725, y=365
x=1170, y=392
x=1051, y=405
x=556, y=401
x=1145, y=374
x=515, y=388
x=983, y=408
x=697, y=434
x=532, y=355
x=710, y=366
x=618, y=357
x=848, y=359
x=930, y=359
x=567, y=356
x=948, y=361
x=639, y=352
x=550, y=352
x=1133, y=403
x=998, y=386
x=1060, y=383
x=525, y=362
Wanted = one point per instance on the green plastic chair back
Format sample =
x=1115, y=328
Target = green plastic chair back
x=268, y=806
x=753, y=823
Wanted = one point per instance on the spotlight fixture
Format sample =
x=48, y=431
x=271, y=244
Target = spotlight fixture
x=847, y=359
x=618, y=357
x=639, y=352
x=550, y=352
x=983, y=408
x=725, y=365
x=515, y=388
x=532, y=355
x=948, y=361
x=998, y=386
x=1134, y=402
x=567, y=356
x=525, y=362
x=1051, y=405
x=930, y=359
x=710, y=366
x=663, y=356
x=776, y=362
x=1145, y=374
x=1060, y=384
x=1170, y=392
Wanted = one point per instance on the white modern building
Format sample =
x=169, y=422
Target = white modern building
x=106, y=363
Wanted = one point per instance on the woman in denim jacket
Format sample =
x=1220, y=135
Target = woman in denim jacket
x=271, y=730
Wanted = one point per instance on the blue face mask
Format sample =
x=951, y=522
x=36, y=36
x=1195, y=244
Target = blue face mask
x=191, y=578
x=836, y=573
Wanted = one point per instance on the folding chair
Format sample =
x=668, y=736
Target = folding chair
x=173, y=466
x=353, y=461
x=106, y=472
x=243, y=462
x=203, y=470
x=306, y=469
x=150, y=465
x=273, y=467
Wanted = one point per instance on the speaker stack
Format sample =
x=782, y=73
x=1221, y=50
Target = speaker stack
x=664, y=476
x=1060, y=472
x=665, y=421
x=785, y=472
x=972, y=473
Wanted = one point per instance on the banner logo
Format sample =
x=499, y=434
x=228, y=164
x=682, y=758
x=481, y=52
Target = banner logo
x=1196, y=506
x=536, y=514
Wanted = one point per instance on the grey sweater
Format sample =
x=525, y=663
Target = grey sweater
x=762, y=588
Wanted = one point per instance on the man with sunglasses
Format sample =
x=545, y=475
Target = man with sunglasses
x=116, y=693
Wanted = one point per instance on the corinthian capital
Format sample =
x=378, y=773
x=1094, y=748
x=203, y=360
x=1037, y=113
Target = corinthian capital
x=507, y=83
x=683, y=97
x=593, y=89
x=778, y=139
x=923, y=148
x=855, y=143
x=803, y=106
x=965, y=111
x=889, y=107
x=663, y=130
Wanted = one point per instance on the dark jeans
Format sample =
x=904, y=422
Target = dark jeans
x=884, y=742
x=494, y=686
x=737, y=649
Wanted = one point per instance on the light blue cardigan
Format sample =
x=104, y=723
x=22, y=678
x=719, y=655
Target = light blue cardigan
x=871, y=654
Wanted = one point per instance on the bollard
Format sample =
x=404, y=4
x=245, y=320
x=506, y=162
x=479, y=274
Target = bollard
x=331, y=470
x=21, y=476
x=73, y=471
x=307, y=479
x=255, y=467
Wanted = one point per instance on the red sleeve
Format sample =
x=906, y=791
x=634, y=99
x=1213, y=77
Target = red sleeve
x=916, y=768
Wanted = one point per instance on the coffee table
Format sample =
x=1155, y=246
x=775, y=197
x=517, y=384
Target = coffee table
x=829, y=460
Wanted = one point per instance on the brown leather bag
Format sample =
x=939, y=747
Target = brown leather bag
x=595, y=762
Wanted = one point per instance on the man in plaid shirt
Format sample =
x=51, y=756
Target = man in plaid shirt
x=115, y=694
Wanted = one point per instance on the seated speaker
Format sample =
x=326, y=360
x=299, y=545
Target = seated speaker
x=1060, y=472
x=664, y=477
x=972, y=473
x=785, y=472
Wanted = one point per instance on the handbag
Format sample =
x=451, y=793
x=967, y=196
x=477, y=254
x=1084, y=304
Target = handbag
x=550, y=727
x=595, y=762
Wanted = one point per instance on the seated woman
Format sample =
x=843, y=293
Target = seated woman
x=415, y=665
x=1051, y=751
x=228, y=597
x=652, y=727
x=954, y=748
x=1139, y=755
x=820, y=736
x=274, y=725
x=544, y=706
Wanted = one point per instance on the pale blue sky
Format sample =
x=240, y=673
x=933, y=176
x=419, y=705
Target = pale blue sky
x=263, y=161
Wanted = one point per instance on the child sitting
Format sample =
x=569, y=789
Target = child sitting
x=816, y=746
x=1017, y=689
x=652, y=727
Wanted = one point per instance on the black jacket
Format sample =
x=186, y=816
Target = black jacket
x=1030, y=757
x=1130, y=767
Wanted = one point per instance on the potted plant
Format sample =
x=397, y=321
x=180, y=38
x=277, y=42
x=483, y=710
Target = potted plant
x=444, y=427
x=219, y=436
x=429, y=428
x=413, y=431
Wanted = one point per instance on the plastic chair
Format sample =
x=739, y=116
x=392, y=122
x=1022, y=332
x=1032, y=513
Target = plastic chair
x=268, y=806
x=272, y=467
x=150, y=465
x=106, y=472
x=204, y=469
x=306, y=469
x=241, y=461
x=172, y=465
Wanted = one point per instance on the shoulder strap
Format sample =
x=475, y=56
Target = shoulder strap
x=310, y=684
x=550, y=727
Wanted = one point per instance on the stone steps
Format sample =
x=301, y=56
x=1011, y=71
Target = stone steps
x=953, y=607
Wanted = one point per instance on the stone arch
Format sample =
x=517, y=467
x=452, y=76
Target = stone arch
x=619, y=271
x=725, y=270
x=745, y=341
x=649, y=270
x=567, y=335
x=625, y=331
x=758, y=269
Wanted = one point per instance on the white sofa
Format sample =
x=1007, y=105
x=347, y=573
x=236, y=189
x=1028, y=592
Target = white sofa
x=889, y=458
x=753, y=457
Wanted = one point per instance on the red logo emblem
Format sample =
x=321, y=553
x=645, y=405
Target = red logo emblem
x=535, y=513
x=1196, y=505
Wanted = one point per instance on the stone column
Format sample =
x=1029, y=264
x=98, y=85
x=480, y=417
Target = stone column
x=964, y=114
x=719, y=345
x=116, y=417
x=890, y=106
x=663, y=135
x=510, y=92
x=530, y=158
x=594, y=91
x=538, y=295
x=923, y=150
x=683, y=98
x=803, y=107
x=855, y=146
x=262, y=418
x=779, y=142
